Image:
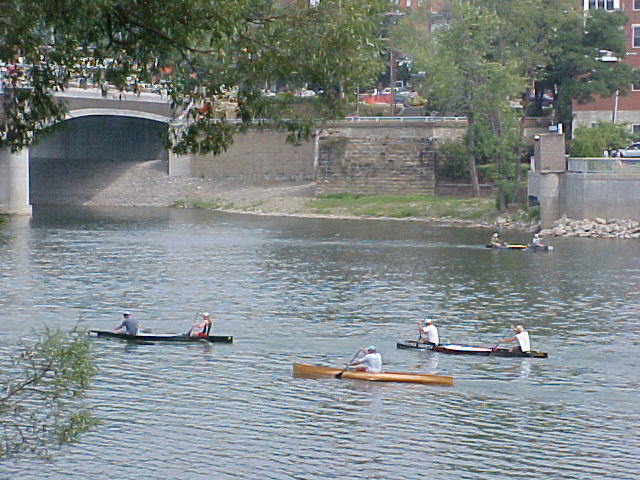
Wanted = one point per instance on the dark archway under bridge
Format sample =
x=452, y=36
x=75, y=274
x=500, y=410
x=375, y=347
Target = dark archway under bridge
x=84, y=155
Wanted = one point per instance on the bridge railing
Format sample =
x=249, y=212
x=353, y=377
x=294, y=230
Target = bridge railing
x=394, y=119
x=617, y=166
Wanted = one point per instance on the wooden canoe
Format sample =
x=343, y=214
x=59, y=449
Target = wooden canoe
x=311, y=371
x=161, y=337
x=458, y=349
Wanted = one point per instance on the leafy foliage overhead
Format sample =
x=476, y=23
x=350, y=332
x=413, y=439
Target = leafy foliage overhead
x=199, y=49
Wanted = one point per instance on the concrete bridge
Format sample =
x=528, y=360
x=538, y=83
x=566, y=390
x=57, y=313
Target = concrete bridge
x=98, y=128
x=102, y=135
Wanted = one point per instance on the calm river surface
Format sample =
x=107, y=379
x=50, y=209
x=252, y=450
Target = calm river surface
x=313, y=291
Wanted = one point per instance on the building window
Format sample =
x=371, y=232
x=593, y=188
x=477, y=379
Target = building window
x=636, y=35
x=636, y=129
x=636, y=4
x=604, y=4
x=635, y=86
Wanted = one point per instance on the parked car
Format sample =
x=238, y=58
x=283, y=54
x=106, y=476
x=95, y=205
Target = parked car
x=632, y=150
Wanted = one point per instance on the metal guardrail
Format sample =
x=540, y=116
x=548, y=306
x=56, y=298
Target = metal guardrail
x=398, y=118
x=617, y=166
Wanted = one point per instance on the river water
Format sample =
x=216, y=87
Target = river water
x=313, y=291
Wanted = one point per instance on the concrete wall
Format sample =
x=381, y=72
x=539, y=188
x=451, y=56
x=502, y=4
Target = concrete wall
x=585, y=195
x=370, y=157
x=14, y=182
x=588, y=195
x=255, y=157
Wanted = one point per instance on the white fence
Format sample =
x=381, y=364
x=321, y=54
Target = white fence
x=618, y=166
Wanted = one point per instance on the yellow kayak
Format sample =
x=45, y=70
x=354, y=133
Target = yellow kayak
x=309, y=371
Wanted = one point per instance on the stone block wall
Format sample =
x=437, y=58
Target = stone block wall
x=378, y=159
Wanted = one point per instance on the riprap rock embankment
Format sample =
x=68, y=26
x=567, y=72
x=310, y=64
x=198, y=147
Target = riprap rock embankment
x=594, y=228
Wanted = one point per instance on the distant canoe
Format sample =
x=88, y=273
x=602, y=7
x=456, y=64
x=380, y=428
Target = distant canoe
x=311, y=371
x=508, y=247
x=161, y=337
x=458, y=349
x=540, y=248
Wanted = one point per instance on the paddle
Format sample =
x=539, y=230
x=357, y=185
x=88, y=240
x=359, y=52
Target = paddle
x=339, y=375
x=498, y=344
x=195, y=317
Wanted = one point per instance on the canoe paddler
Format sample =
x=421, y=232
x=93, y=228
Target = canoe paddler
x=370, y=362
x=496, y=241
x=428, y=333
x=129, y=324
x=204, y=325
x=521, y=336
x=536, y=241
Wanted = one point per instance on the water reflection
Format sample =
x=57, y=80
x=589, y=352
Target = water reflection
x=313, y=291
x=525, y=367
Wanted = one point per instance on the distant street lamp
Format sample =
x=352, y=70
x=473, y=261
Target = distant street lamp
x=608, y=57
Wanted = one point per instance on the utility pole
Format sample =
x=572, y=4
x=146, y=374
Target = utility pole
x=392, y=81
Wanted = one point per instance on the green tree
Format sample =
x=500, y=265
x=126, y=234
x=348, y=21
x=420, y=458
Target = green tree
x=593, y=141
x=470, y=72
x=200, y=50
x=530, y=29
x=575, y=70
x=42, y=391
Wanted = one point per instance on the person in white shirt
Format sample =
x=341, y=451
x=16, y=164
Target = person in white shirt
x=428, y=333
x=370, y=362
x=521, y=336
x=536, y=240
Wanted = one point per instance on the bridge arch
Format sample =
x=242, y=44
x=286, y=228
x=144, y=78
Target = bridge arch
x=91, y=150
x=112, y=112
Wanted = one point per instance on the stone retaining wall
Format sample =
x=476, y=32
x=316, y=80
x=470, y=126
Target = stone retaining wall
x=375, y=165
x=373, y=158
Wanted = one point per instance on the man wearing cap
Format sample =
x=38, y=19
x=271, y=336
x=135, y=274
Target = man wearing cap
x=371, y=362
x=521, y=336
x=128, y=326
x=204, y=324
x=428, y=333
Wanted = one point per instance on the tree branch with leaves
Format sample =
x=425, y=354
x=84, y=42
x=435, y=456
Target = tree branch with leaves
x=41, y=400
x=198, y=50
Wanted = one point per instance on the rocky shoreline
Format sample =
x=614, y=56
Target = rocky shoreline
x=596, y=228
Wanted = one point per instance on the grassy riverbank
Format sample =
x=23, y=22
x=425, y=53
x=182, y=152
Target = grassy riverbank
x=476, y=211
x=403, y=206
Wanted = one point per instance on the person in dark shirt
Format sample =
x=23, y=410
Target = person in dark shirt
x=128, y=326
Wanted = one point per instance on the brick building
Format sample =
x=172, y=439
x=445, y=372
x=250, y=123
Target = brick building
x=617, y=108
